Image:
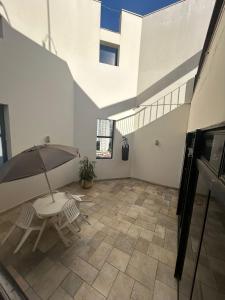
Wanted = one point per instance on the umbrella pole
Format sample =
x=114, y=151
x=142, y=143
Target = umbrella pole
x=49, y=186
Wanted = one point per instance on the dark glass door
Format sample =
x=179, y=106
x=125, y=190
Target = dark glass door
x=210, y=276
x=194, y=238
x=3, y=148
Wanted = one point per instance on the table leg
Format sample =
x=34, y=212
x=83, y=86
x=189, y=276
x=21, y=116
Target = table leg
x=40, y=234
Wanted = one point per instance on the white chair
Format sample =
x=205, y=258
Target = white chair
x=78, y=199
x=69, y=215
x=24, y=222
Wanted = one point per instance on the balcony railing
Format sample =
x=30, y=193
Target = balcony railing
x=147, y=113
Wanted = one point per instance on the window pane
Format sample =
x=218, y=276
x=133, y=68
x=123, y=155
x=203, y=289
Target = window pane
x=104, y=148
x=108, y=55
x=104, y=128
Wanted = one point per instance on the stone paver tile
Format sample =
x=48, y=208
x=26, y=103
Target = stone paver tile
x=140, y=292
x=164, y=292
x=142, y=245
x=105, y=279
x=145, y=225
x=125, y=243
x=170, y=240
x=118, y=259
x=83, y=269
x=60, y=294
x=121, y=288
x=142, y=268
x=165, y=256
x=37, y=273
x=158, y=241
x=18, y=278
x=100, y=255
x=134, y=231
x=71, y=283
x=147, y=234
x=97, y=239
x=86, y=292
x=31, y=294
x=165, y=274
x=50, y=280
x=160, y=231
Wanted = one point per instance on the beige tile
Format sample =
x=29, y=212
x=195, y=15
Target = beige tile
x=165, y=256
x=125, y=243
x=86, y=271
x=86, y=292
x=140, y=292
x=118, y=259
x=160, y=231
x=100, y=255
x=158, y=241
x=142, y=268
x=60, y=294
x=32, y=295
x=147, y=234
x=165, y=274
x=50, y=280
x=134, y=231
x=121, y=288
x=163, y=292
x=105, y=279
x=72, y=283
x=142, y=245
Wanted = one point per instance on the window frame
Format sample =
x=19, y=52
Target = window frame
x=105, y=137
x=112, y=46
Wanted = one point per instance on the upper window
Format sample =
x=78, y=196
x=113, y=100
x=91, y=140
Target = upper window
x=104, y=141
x=108, y=55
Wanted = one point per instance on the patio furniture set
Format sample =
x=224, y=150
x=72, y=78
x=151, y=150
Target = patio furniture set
x=62, y=213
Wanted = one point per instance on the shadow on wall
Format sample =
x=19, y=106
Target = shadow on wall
x=183, y=69
x=86, y=114
x=5, y=12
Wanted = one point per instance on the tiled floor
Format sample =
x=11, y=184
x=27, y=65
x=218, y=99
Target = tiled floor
x=128, y=252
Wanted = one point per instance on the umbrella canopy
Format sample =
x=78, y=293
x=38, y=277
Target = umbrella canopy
x=36, y=160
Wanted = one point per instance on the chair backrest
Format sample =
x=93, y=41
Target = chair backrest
x=70, y=210
x=26, y=216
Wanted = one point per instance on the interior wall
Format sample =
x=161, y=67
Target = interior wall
x=170, y=37
x=208, y=104
x=38, y=89
x=161, y=164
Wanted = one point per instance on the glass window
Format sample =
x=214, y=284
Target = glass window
x=108, y=55
x=104, y=141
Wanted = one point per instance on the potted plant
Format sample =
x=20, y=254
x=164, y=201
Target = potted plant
x=87, y=173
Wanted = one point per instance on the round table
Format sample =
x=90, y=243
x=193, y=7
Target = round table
x=46, y=208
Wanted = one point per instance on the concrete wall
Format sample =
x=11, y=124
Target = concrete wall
x=208, y=104
x=43, y=100
x=161, y=164
x=169, y=38
x=76, y=39
x=38, y=89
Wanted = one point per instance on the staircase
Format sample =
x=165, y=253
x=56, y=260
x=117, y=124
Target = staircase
x=147, y=113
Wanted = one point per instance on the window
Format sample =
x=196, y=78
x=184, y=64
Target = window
x=108, y=54
x=3, y=148
x=104, y=141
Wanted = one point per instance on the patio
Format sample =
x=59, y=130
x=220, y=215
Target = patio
x=131, y=243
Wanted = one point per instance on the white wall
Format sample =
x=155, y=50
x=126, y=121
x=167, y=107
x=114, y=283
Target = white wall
x=170, y=37
x=208, y=104
x=161, y=164
x=75, y=30
x=38, y=89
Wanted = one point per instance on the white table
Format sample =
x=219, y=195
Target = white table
x=46, y=208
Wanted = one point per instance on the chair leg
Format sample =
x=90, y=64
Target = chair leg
x=8, y=234
x=62, y=237
x=78, y=226
x=39, y=235
x=25, y=236
x=84, y=218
